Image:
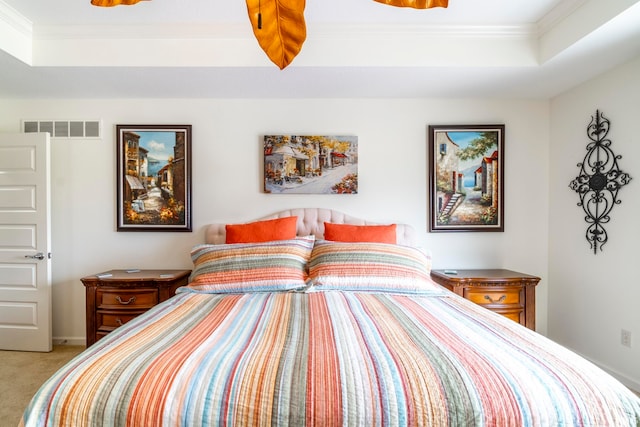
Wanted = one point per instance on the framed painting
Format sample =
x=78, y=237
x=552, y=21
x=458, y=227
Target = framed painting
x=466, y=178
x=310, y=164
x=154, y=177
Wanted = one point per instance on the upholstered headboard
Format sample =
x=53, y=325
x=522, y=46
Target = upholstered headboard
x=311, y=221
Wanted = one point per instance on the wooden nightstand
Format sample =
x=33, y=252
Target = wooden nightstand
x=114, y=297
x=507, y=292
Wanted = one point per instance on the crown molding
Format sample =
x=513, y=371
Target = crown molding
x=242, y=31
x=557, y=14
x=148, y=32
x=15, y=20
x=430, y=30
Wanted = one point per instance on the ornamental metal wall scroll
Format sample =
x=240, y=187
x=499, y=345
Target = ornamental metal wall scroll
x=599, y=181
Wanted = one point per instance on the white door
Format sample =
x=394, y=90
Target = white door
x=25, y=265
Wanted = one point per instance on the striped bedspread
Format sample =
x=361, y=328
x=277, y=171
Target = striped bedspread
x=328, y=359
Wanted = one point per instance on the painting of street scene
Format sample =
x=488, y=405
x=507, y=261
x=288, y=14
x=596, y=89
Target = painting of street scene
x=466, y=173
x=310, y=164
x=153, y=178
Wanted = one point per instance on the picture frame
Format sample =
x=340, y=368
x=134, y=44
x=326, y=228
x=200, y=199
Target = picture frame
x=153, y=177
x=466, y=178
x=310, y=164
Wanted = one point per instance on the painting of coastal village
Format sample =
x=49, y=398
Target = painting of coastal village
x=153, y=181
x=466, y=178
x=310, y=164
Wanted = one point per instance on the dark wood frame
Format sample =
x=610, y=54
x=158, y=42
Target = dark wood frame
x=490, y=173
x=134, y=181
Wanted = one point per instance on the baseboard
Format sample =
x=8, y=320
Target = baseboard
x=631, y=383
x=69, y=341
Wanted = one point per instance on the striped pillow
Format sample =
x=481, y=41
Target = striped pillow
x=368, y=266
x=250, y=267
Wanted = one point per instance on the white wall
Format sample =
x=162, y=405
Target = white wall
x=227, y=154
x=592, y=297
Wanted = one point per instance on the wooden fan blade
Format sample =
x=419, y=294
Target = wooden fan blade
x=283, y=28
x=110, y=3
x=416, y=4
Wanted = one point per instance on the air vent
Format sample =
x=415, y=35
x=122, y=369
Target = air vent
x=84, y=129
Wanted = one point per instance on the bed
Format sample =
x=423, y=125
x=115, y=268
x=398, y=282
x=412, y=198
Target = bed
x=328, y=332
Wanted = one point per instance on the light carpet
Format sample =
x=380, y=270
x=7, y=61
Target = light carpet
x=21, y=375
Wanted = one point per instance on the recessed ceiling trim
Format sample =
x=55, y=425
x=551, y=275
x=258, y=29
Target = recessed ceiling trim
x=12, y=17
x=340, y=31
x=557, y=14
x=591, y=17
x=417, y=50
x=15, y=34
x=326, y=45
x=149, y=31
x=240, y=31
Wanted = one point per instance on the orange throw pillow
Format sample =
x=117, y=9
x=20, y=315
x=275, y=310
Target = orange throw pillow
x=262, y=231
x=360, y=233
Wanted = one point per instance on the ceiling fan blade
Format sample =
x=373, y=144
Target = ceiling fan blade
x=110, y=3
x=279, y=27
x=416, y=4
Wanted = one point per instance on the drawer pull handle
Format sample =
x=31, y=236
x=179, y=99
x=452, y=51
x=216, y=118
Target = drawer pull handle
x=119, y=321
x=132, y=299
x=488, y=297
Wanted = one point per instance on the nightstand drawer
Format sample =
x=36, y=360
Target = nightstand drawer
x=516, y=316
x=108, y=321
x=484, y=296
x=132, y=299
